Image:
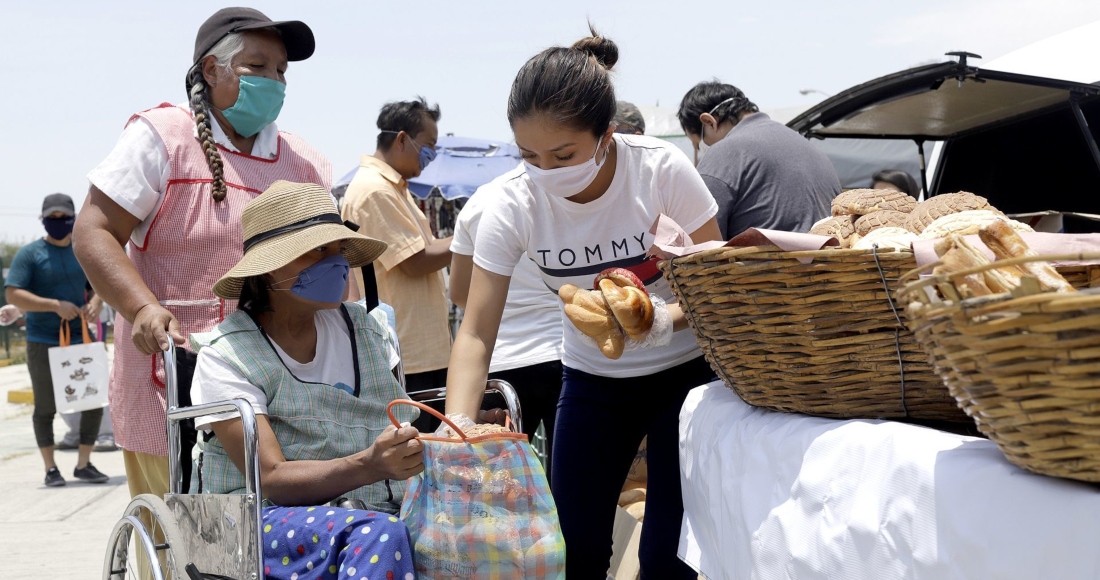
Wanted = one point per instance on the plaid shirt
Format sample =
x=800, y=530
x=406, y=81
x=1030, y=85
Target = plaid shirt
x=311, y=421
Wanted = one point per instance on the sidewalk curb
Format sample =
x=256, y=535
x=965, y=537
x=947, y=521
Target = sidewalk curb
x=23, y=396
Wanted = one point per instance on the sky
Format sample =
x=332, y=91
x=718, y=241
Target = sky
x=74, y=71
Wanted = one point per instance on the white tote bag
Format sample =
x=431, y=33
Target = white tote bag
x=79, y=372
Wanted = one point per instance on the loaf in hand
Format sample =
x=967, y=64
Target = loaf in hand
x=590, y=313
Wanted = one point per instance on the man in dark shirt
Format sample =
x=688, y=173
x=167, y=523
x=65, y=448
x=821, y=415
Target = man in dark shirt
x=761, y=173
x=47, y=283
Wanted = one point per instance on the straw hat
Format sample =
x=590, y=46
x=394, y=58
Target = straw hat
x=286, y=221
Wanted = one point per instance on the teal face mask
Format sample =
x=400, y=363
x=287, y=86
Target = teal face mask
x=258, y=105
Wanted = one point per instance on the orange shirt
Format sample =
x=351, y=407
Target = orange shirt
x=378, y=199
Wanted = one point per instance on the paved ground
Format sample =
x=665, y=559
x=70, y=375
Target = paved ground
x=51, y=532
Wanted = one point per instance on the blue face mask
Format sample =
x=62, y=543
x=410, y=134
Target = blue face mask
x=324, y=281
x=426, y=154
x=258, y=105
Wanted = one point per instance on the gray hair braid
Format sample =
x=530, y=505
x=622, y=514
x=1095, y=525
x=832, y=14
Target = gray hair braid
x=223, y=53
x=201, y=113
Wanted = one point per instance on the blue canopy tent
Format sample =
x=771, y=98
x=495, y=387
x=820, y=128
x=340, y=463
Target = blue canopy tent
x=462, y=164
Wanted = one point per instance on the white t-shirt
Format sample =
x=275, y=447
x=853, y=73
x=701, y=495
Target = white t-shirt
x=571, y=242
x=531, y=327
x=217, y=380
x=135, y=174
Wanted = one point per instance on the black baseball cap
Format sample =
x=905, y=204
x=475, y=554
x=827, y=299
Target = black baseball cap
x=58, y=202
x=297, y=37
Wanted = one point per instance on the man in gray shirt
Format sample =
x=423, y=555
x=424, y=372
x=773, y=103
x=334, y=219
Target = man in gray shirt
x=761, y=173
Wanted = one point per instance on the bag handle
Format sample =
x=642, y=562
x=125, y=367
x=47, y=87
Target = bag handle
x=422, y=407
x=65, y=338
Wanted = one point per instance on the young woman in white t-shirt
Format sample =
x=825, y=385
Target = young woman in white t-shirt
x=583, y=201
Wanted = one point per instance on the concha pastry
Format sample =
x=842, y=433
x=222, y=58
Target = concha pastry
x=881, y=199
x=967, y=223
x=936, y=207
x=840, y=202
x=880, y=219
x=839, y=227
x=887, y=237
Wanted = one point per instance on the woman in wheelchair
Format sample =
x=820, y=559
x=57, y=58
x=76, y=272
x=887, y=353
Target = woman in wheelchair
x=317, y=373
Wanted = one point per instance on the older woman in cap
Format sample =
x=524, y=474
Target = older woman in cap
x=317, y=373
x=174, y=187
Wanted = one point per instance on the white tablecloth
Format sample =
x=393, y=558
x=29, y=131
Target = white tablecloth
x=774, y=495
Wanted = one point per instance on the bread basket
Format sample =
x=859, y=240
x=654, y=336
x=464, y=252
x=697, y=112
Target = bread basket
x=822, y=338
x=1024, y=365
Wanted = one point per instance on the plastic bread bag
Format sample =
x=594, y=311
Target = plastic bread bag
x=482, y=508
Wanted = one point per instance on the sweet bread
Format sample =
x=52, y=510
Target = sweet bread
x=839, y=227
x=887, y=237
x=631, y=306
x=880, y=219
x=967, y=223
x=936, y=207
x=881, y=199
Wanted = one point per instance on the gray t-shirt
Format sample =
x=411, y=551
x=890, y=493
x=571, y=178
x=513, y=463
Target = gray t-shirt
x=766, y=175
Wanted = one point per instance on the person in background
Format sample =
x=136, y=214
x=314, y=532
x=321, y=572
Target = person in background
x=897, y=180
x=527, y=353
x=583, y=201
x=47, y=283
x=409, y=273
x=761, y=173
x=174, y=187
x=628, y=119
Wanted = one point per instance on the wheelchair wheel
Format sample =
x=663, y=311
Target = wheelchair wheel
x=146, y=539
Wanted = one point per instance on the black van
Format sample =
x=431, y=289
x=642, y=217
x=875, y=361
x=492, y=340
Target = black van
x=1026, y=143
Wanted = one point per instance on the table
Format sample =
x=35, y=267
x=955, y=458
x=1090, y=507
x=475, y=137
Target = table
x=775, y=495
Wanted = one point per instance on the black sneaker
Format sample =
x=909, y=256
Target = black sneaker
x=90, y=474
x=53, y=478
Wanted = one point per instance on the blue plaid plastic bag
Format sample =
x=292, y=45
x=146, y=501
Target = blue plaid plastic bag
x=482, y=509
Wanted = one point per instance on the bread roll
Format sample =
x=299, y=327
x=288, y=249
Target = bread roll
x=936, y=207
x=888, y=237
x=590, y=313
x=839, y=227
x=1006, y=244
x=955, y=259
x=631, y=307
x=966, y=256
x=632, y=495
x=880, y=219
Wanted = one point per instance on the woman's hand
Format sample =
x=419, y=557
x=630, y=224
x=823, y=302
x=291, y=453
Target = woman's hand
x=93, y=308
x=395, y=454
x=153, y=325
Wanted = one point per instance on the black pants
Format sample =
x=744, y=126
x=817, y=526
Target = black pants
x=538, y=387
x=601, y=422
x=45, y=407
x=185, y=372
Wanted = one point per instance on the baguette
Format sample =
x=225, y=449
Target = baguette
x=1006, y=244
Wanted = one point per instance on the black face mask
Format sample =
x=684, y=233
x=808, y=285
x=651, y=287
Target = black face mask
x=59, y=228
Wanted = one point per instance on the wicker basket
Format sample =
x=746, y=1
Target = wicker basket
x=1025, y=366
x=821, y=338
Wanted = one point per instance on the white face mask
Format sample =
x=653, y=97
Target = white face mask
x=566, y=181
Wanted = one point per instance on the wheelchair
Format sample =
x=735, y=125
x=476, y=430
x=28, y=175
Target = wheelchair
x=212, y=536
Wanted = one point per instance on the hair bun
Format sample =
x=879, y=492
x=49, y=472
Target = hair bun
x=603, y=49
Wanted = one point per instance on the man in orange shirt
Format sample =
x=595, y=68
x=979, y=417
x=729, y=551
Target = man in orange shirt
x=408, y=274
